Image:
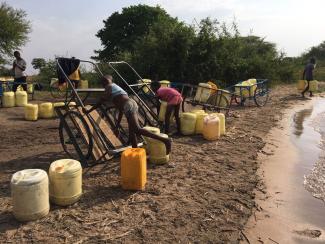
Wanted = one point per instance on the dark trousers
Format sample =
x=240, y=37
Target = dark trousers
x=307, y=88
x=19, y=81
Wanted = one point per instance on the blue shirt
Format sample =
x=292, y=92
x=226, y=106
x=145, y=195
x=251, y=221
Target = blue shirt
x=116, y=91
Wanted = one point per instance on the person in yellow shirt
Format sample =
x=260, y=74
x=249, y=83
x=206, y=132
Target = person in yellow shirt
x=75, y=77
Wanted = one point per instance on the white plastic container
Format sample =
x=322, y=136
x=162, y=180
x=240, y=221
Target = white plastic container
x=162, y=112
x=8, y=99
x=31, y=112
x=203, y=92
x=154, y=130
x=65, y=181
x=158, y=150
x=46, y=110
x=199, y=121
x=188, y=122
x=21, y=98
x=211, y=127
x=30, y=194
x=222, y=120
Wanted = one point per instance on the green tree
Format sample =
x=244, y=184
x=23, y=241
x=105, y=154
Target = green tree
x=318, y=52
x=38, y=63
x=47, y=70
x=14, y=30
x=121, y=30
x=163, y=52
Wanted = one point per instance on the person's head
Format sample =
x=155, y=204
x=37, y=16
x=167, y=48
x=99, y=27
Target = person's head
x=313, y=60
x=17, y=54
x=155, y=85
x=106, y=80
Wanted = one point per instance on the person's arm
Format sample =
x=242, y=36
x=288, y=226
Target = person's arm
x=13, y=65
x=97, y=105
x=104, y=98
x=23, y=66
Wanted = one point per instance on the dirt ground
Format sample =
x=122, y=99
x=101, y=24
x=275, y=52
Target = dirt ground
x=205, y=194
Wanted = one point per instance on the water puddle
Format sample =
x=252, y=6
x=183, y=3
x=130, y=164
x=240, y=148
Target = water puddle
x=308, y=128
x=292, y=210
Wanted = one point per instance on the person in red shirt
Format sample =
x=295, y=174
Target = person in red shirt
x=174, y=100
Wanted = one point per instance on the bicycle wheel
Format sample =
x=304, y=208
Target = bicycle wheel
x=261, y=95
x=75, y=136
x=218, y=102
x=58, y=92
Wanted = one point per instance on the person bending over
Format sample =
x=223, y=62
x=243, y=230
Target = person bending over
x=308, y=75
x=174, y=100
x=129, y=107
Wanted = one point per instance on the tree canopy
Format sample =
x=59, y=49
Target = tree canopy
x=14, y=30
x=121, y=30
x=317, y=52
x=162, y=47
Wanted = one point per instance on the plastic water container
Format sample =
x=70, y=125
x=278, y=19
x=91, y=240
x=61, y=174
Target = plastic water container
x=46, y=110
x=30, y=88
x=31, y=112
x=211, y=127
x=65, y=181
x=134, y=169
x=197, y=111
x=222, y=120
x=145, y=81
x=30, y=194
x=21, y=98
x=55, y=105
x=162, y=112
x=71, y=104
x=164, y=83
x=245, y=89
x=8, y=99
x=84, y=84
x=154, y=130
x=158, y=150
x=313, y=85
x=301, y=85
x=199, y=120
x=188, y=122
x=223, y=98
x=203, y=92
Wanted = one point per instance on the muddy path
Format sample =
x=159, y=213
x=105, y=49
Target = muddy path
x=205, y=194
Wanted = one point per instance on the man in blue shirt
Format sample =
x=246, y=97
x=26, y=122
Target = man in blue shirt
x=308, y=75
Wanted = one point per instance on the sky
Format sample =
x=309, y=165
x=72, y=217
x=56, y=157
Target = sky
x=68, y=27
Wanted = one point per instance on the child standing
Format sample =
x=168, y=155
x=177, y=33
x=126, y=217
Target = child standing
x=174, y=100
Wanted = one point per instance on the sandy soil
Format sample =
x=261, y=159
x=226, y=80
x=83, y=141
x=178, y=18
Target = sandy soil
x=205, y=194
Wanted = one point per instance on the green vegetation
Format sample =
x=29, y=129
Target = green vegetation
x=14, y=31
x=47, y=70
x=166, y=48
